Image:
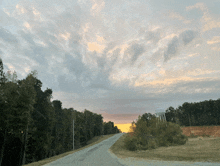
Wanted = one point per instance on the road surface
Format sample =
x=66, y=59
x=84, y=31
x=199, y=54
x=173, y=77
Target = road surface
x=99, y=155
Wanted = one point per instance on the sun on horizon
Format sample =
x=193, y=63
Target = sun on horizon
x=124, y=127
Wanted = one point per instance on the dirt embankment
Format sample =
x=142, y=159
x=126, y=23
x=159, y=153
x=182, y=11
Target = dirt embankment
x=199, y=131
x=202, y=130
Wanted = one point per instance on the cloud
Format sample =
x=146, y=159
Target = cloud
x=6, y=20
x=113, y=59
x=211, y=24
x=65, y=36
x=8, y=37
x=99, y=86
x=200, y=6
x=100, y=38
x=132, y=53
x=21, y=9
x=92, y=56
x=27, y=37
x=197, y=87
x=66, y=85
x=193, y=55
x=187, y=36
x=130, y=101
x=177, y=16
x=93, y=46
x=157, y=56
x=214, y=40
x=84, y=78
x=97, y=6
x=101, y=63
x=177, y=42
x=197, y=72
x=153, y=36
x=168, y=81
x=216, y=48
x=74, y=65
x=172, y=49
x=209, y=21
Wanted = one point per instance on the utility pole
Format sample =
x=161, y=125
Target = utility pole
x=73, y=134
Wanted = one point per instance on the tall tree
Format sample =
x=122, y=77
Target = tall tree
x=68, y=129
x=98, y=121
x=25, y=104
x=2, y=74
x=2, y=105
x=58, y=133
x=18, y=100
x=43, y=121
x=89, y=124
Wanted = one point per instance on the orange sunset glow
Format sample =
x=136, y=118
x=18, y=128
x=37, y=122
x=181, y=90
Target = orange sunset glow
x=124, y=127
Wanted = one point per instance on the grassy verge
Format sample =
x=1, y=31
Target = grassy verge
x=201, y=149
x=92, y=142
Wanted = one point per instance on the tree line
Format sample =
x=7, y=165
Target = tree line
x=204, y=113
x=32, y=127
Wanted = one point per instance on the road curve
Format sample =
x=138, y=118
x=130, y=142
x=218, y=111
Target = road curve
x=96, y=155
x=99, y=155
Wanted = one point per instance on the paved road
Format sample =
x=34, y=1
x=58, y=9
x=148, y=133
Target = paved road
x=99, y=155
x=96, y=155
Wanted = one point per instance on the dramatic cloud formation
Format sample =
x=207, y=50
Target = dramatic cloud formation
x=114, y=57
x=175, y=44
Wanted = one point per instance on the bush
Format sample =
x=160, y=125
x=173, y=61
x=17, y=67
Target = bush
x=130, y=143
x=172, y=135
x=193, y=136
x=152, y=144
x=153, y=134
x=205, y=135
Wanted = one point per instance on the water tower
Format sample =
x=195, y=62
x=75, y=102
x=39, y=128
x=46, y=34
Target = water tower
x=161, y=115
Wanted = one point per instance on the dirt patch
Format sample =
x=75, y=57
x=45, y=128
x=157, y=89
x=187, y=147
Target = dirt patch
x=202, y=131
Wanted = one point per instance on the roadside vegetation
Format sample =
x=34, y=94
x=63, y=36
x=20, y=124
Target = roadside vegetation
x=33, y=127
x=200, y=149
x=93, y=141
x=149, y=132
x=152, y=139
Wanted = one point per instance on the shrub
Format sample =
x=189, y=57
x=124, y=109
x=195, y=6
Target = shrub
x=130, y=143
x=152, y=144
x=152, y=133
x=193, y=136
x=173, y=135
x=205, y=135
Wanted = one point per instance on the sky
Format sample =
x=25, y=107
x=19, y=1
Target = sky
x=118, y=58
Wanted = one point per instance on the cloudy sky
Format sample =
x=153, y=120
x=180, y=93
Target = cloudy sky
x=119, y=58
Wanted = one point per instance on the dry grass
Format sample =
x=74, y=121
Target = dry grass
x=196, y=149
x=92, y=142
